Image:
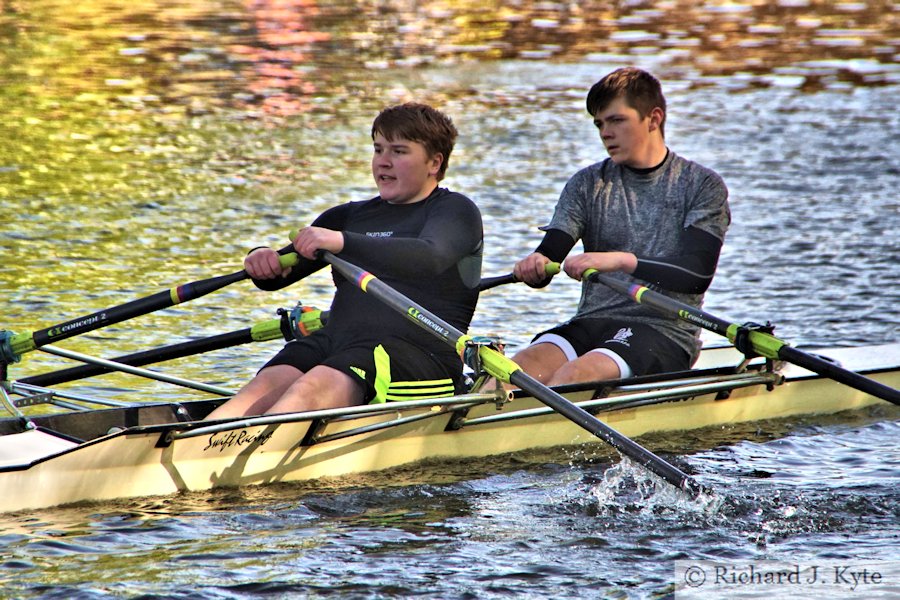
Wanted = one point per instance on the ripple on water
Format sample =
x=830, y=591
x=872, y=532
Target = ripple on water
x=514, y=528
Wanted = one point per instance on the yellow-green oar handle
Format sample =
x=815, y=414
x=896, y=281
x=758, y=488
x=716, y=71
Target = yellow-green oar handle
x=487, y=283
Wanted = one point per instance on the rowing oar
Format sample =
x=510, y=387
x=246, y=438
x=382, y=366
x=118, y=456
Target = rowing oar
x=12, y=345
x=299, y=324
x=504, y=369
x=492, y=282
x=761, y=343
x=293, y=324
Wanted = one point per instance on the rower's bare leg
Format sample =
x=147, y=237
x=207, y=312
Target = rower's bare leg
x=320, y=388
x=548, y=364
x=259, y=394
x=592, y=366
x=540, y=361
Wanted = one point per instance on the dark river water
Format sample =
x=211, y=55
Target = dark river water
x=149, y=144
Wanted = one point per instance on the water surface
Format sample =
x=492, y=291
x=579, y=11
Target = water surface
x=151, y=144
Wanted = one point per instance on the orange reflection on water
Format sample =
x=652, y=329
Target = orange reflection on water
x=274, y=73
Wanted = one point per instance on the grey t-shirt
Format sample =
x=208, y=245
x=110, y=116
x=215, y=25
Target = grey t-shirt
x=612, y=208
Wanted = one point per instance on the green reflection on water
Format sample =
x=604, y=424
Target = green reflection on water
x=122, y=176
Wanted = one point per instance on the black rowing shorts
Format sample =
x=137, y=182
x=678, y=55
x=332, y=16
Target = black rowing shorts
x=389, y=370
x=643, y=349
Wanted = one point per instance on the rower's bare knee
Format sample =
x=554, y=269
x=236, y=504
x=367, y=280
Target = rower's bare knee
x=320, y=388
x=541, y=361
x=592, y=366
x=259, y=394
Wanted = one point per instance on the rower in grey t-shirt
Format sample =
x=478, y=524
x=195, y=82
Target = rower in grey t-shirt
x=611, y=207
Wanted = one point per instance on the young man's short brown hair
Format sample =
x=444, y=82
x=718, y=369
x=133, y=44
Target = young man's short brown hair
x=641, y=90
x=418, y=123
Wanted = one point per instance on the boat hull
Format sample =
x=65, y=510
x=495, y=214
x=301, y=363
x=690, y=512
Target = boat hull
x=166, y=457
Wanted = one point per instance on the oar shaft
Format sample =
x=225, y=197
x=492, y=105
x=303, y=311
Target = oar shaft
x=13, y=345
x=147, y=357
x=762, y=343
x=598, y=428
x=492, y=282
x=399, y=302
x=506, y=370
x=286, y=328
x=849, y=378
x=135, y=308
x=648, y=297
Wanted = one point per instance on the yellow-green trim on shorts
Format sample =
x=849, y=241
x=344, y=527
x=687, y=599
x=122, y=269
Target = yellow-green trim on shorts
x=420, y=390
x=382, y=381
x=398, y=391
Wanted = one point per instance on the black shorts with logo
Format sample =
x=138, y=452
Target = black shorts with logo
x=645, y=349
x=389, y=369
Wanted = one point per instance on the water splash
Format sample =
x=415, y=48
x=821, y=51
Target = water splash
x=628, y=487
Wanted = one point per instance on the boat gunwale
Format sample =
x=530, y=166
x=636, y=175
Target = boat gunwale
x=598, y=389
x=670, y=392
x=597, y=405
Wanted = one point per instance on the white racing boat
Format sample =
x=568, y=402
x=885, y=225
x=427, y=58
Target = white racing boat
x=58, y=447
x=88, y=452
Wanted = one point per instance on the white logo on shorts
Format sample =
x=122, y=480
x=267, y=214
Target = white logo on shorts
x=622, y=336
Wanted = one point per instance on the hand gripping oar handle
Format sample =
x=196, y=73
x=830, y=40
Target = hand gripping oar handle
x=492, y=282
x=12, y=346
x=501, y=367
x=762, y=343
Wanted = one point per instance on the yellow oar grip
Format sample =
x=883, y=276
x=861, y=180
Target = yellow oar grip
x=288, y=260
x=266, y=330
